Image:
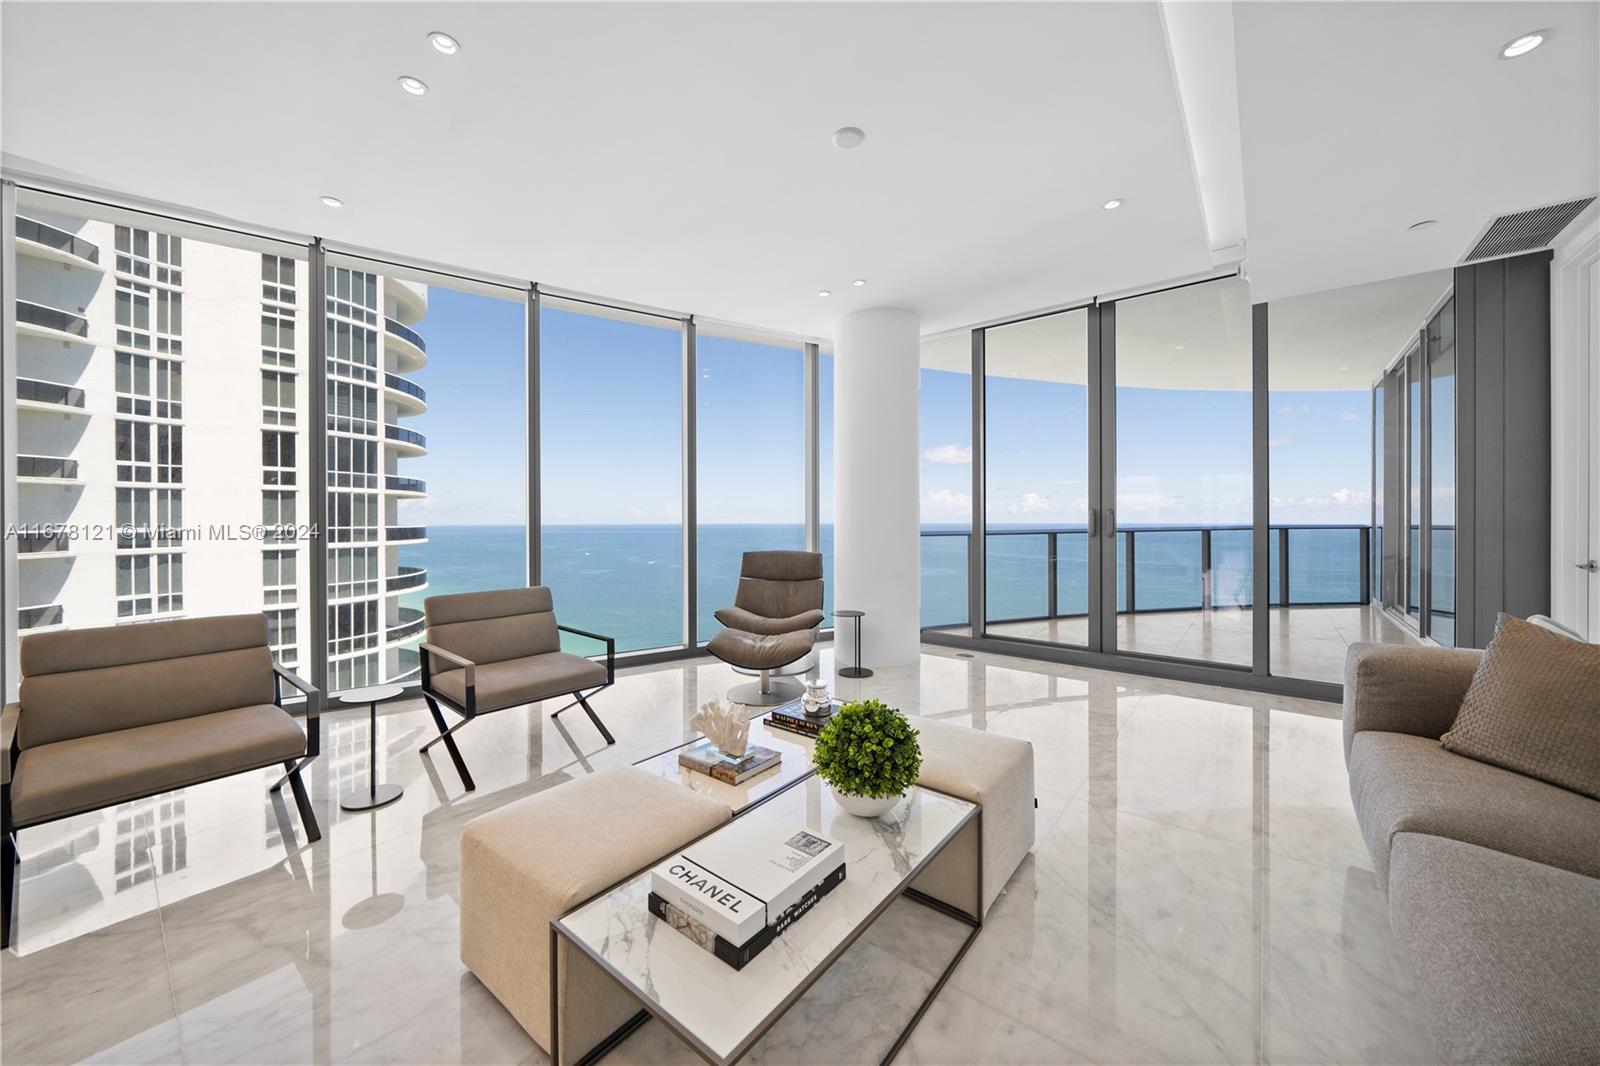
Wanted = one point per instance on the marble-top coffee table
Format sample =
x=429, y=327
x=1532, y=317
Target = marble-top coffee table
x=721, y=1012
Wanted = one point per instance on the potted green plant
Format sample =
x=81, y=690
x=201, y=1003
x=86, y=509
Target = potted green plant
x=868, y=754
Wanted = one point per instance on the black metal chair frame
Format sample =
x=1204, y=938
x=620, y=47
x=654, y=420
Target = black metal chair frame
x=10, y=855
x=469, y=709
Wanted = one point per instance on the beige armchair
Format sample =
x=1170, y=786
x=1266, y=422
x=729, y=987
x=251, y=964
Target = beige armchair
x=486, y=651
x=118, y=713
x=772, y=623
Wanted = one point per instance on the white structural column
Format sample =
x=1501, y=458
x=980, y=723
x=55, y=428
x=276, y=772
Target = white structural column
x=877, y=541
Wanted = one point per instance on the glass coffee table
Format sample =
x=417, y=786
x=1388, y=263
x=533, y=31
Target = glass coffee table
x=721, y=1012
x=794, y=767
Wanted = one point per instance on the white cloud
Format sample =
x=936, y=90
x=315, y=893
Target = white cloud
x=943, y=503
x=1029, y=503
x=1351, y=416
x=949, y=454
x=1282, y=440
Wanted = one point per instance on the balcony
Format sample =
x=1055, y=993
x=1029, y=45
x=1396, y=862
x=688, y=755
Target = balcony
x=405, y=344
x=43, y=545
x=410, y=666
x=50, y=323
x=410, y=396
x=405, y=534
x=44, y=241
x=48, y=616
x=406, y=441
x=407, y=578
x=405, y=486
x=411, y=624
x=1040, y=575
x=48, y=396
x=47, y=469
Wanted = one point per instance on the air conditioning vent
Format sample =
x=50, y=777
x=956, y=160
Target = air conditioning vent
x=1525, y=231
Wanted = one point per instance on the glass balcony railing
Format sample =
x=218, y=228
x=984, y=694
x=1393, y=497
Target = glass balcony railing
x=395, y=483
x=32, y=314
x=1042, y=573
x=410, y=665
x=396, y=533
x=410, y=624
x=408, y=577
x=43, y=543
x=29, y=229
x=49, y=392
x=405, y=333
x=405, y=436
x=405, y=385
x=47, y=466
x=50, y=614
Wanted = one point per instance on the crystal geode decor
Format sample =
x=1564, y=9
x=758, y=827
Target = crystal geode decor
x=726, y=727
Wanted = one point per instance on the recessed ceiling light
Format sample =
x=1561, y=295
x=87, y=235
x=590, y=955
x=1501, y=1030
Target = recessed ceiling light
x=1424, y=224
x=332, y=201
x=1343, y=368
x=1177, y=347
x=414, y=86
x=1523, y=45
x=444, y=42
x=848, y=137
x=824, y=292
x=1111, y=205
x=859, y=282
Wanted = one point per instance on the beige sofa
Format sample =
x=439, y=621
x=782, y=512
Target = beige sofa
x=117, y=713
x=1493, y=878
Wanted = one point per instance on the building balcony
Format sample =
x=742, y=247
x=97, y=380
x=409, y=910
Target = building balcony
x=411, y=398
x=407, y=579
x=47, y=616
x=405, y=344
x=47, y=470
x=49, y=396
x=405, y=486
x=44, y=546
x=410, y=299
x=405, y=534
x=411, y=624
x=406, y=441
x=41, y=240
x=50, y=323
x=410, y=666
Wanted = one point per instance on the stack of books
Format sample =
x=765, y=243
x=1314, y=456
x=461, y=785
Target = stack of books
x=706, y=759
x=792, y=719
x=737, y=890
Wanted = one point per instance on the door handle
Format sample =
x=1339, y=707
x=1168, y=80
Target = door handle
x=1592, y=566
x=1094, y=525
x=1111, y=522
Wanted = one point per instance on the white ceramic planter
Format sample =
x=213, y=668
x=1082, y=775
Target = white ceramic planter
x=864, y=806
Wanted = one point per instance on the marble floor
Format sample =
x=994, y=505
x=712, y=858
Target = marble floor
x=1306, y=642
x=1198, y=892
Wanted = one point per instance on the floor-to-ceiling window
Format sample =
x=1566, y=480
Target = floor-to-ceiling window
x=1442, y=466
x=1037, y=500
x=161, y=391
x=1183, y=493
x=825, y=480
x=426, y=456
x=1414, y=445
x=945, y=444
x=750, y=451
x=610, y=426
x=1325, y=352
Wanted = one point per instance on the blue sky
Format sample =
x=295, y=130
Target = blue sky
x=611, y=434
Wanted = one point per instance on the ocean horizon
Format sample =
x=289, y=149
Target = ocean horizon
x=624, y=579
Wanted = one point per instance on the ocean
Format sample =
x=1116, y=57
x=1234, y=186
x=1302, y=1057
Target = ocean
x=625, y=580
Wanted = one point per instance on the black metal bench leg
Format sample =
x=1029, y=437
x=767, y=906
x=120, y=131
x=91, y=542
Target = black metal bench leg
x=595, y=718
x=449, y=742
x=8, y=884
x=302, y=800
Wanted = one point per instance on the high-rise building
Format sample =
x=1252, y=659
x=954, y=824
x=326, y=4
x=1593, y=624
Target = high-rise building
x=162, y=459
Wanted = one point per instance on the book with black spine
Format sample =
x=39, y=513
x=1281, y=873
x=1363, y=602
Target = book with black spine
x=795, y=721
x=739, y=955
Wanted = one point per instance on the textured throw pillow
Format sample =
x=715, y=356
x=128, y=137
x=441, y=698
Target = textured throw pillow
x=1534, y=707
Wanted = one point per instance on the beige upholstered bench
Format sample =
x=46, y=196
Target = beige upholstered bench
x=539, y=858
x=994, y=771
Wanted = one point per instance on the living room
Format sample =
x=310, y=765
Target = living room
x=976, y=533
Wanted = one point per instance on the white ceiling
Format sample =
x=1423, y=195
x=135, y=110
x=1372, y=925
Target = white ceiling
x=679, y=155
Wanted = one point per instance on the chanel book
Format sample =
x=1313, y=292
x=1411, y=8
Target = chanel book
x=739, y=955
x=746, y=877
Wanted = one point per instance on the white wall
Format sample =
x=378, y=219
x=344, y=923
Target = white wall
x=877, y=537
x=1575, y=428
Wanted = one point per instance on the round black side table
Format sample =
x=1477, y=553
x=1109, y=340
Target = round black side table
x=374, y=795
x=857, y=670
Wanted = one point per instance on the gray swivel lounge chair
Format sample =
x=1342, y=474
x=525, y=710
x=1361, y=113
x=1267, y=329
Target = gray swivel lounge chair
x=772, y=623
x=118, y=713
x=486, y=651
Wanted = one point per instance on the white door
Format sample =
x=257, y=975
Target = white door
x=1592, y=561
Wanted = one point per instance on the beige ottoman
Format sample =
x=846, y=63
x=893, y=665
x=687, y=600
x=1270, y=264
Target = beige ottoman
x=539, y=858
x=992, y=770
